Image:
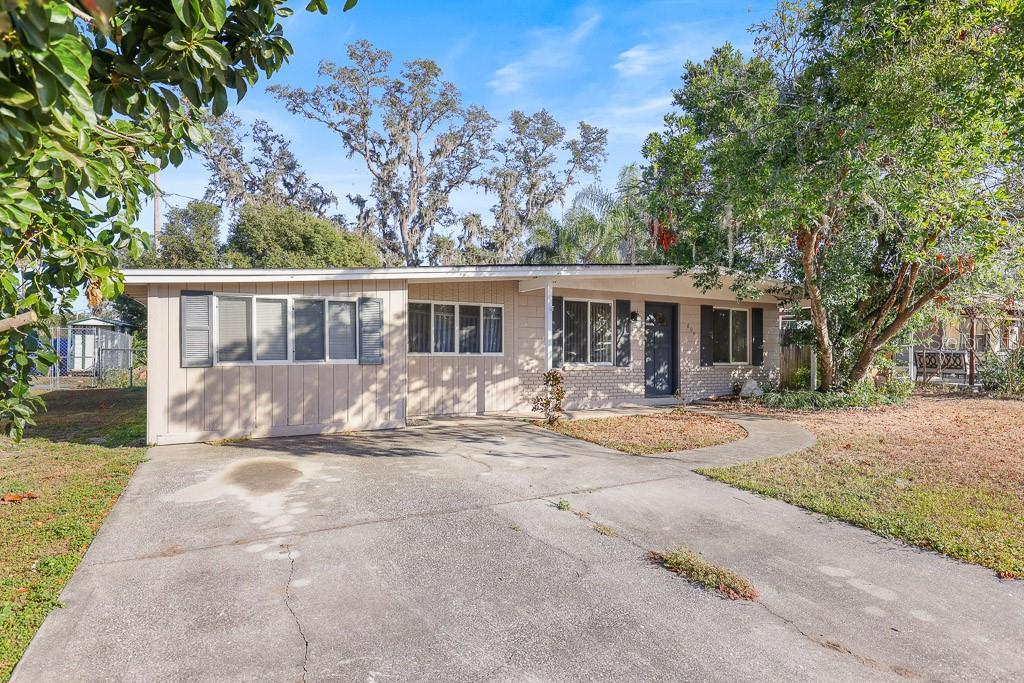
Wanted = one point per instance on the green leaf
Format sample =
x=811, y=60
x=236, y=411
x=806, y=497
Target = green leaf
x=12, y=95
x=217, y=12
x=218, y=53
x=180, y=10
x=47, y=88
x=318, y=6
x=349, y=4
x=220, y=99
x=174, y=40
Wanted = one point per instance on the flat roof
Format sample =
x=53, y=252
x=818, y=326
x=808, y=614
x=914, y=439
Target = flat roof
x=506, y=272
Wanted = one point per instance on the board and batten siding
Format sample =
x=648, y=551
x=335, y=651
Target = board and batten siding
x=200, y=404
x=473, y=384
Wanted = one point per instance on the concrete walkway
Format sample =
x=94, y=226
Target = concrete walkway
x=766, y=438
x=438, y=553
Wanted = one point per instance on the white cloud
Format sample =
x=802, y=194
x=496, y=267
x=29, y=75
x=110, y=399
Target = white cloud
x=551, y=50
x=668, y=50
x=637, y=60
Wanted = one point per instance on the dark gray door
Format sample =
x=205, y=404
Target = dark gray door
x=660, y=349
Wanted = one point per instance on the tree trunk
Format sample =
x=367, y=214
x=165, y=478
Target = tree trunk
x=906, y=310
x=808, y=244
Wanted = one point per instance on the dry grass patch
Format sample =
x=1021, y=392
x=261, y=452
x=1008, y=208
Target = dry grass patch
x=708, y=575
x=678, y=430
x=76, y=462
x=941, y=473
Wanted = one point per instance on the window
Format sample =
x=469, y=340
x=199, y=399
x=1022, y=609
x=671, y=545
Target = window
x=492, y=329
x=575, y=331
x=469, y=329
x=587, y=331
x=419, y=328
x=450, y=328
x=444, y=328
x=272, y=329
x=308, y=339
x=234, y=328
x=731, y=336
x=600, y=333
x=341, y=330
x=285, y=328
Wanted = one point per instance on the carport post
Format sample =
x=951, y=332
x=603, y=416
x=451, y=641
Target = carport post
x=548, y=332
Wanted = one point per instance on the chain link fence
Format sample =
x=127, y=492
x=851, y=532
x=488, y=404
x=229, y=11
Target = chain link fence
x=95, y=357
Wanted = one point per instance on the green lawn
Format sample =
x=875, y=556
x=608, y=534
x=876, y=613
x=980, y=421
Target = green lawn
x=43, y=539
x=940, y=473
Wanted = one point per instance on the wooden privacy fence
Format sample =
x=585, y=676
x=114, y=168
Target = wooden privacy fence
x=793, y=358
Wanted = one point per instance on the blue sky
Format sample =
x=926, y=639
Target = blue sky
x=612, y=64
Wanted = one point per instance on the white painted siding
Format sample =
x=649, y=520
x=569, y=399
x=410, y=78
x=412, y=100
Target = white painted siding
x=197, y=404
x=200, y=404
x=467, y=384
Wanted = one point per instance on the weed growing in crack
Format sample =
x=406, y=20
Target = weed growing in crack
x=563, y=505
x=605, y=530
x=705, y=574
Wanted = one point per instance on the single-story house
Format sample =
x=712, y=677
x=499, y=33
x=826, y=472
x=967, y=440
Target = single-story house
x=252, y=353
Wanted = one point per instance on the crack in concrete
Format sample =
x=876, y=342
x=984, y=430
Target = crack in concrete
x=428, y=514
x=287, y=603
x=820, y=640
x=839, y=648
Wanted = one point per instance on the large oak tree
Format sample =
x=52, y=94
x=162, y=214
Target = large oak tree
x=417, y=139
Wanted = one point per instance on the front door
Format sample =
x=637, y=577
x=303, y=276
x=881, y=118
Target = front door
x=660, y=349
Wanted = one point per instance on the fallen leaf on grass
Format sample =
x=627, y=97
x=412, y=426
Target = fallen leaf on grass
x=17, y=497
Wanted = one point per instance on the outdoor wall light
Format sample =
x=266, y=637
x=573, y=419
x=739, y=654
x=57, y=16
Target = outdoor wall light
x=634, y=316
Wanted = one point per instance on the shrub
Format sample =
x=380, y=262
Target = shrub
x=1002, y=372
x=549, y=401
x=861, y=395
x=801, y=380
x=118, y=378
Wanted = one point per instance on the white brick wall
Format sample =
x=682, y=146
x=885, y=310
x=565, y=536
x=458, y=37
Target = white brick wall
x=601, y=386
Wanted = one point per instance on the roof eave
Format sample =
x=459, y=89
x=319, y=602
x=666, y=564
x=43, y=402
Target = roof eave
x=138, y=277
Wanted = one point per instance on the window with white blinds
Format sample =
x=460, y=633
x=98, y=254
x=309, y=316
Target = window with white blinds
x=341, y=330
x=240, y=328
x=446, y=328
x=272, y=329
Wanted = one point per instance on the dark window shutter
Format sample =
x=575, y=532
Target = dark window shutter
x=371, y=331
x=707, y=335
x=622, y=355
x=757, y=336
x=556, y=332
x=196, y=329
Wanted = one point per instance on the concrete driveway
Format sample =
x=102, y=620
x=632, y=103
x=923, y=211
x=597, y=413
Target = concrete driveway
x=437, y=553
